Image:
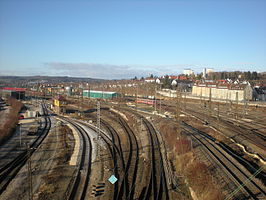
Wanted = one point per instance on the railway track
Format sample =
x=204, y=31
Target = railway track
x=252, y=167
x=115, y=149
x=248, y=186
x=128, y=158
x=229, y=123
x=131, y=164
x=157, y=186
x=255, y=120
x=232, y=126
x=10, y=170
x=80, y=184
x=117, y=154
x=257, y=127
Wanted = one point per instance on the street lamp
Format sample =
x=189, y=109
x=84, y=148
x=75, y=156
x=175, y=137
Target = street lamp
x=20, y=124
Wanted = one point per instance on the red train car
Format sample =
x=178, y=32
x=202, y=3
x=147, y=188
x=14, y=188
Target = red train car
x=146, y=101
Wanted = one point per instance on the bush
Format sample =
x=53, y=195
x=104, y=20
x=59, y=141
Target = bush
x=7, y=130
x=194, y=172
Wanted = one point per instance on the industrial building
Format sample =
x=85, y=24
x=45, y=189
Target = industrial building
x=225, y=91
x=17, y=93
x=99, y=94
x=59, y=104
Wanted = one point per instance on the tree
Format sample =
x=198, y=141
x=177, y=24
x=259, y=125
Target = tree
x=248, y=75
x=199, y=77
x=254, y=75
x=166, y=82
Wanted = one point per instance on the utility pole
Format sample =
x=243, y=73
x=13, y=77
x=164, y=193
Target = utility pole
x=210, y=102
x=155, y=98
x=98, y=147
x=29, y=173
x=227, y=102
x=236, y=105
x=160, y=98
x=201, y=97
x=98, y=128
x=185, y=100
x=218, y=111
x=79, y=101
x=20, y=124
x=178, y=107
x=137, y=98
x=245, y=105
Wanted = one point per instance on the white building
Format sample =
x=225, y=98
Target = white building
x=233, y=92
x=174, y=83
x=158, y=81
x=188, y=72
x=206, y=72
x=150, y=80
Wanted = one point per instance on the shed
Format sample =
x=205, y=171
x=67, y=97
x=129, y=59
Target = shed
x=99, y=94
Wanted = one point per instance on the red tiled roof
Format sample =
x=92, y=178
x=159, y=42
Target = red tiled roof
x=182, y=78
x=14, y=89
x=173, y=77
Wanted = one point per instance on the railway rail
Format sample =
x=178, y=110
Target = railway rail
x=115, y=149
x=80, y=184
x=10, y=170
x=157, y=187
x=233, y=127
x=128, y=158
x=244, y=182
x=133, y=159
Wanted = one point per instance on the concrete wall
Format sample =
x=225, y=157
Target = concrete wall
x=169, y=93
x=223, y=93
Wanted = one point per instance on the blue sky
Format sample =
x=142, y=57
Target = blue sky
x=121, y=39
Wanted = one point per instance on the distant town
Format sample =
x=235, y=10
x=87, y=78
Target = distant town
x=224, y=86
x=177, y=136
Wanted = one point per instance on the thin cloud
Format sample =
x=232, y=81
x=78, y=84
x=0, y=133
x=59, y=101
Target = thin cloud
x=98, y=70
x=107, y=71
